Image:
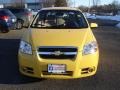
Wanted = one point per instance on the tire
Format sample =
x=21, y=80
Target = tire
x=4, y=30
x=19, y=24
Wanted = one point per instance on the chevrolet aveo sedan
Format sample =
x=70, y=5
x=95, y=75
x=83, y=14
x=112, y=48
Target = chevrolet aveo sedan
x=59, y=44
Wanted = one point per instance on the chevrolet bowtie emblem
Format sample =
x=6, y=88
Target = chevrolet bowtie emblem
x=57, y=53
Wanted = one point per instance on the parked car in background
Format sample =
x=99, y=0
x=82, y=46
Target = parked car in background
x=7, y=20
x=23, y=15
x=34, y=12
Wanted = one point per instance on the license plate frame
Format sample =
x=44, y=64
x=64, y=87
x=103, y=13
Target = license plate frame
x=56, y=68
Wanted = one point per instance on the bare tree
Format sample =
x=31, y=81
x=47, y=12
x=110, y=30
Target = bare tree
x=61, y=3
x=47, y=3
x=69, y=2
x=56, y=3
x=83, y=8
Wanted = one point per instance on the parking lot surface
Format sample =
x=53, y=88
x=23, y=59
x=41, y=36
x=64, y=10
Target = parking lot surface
x=107, y=77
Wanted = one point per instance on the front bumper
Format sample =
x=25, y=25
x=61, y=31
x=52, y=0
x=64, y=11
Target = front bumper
x=82, y=66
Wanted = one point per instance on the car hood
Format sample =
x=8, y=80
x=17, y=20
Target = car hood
x=57, y=37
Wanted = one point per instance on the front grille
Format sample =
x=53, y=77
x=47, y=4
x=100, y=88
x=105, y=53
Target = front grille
x=57, y=52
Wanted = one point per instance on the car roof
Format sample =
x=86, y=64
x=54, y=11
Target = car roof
x=60, y=8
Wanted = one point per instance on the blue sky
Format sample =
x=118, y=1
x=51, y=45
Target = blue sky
x=77, y=2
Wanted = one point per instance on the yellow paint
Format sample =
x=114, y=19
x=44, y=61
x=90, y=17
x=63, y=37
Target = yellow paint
x=58, y=37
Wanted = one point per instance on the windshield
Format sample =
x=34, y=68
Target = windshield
x=59, y=19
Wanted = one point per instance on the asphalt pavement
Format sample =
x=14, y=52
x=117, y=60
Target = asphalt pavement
x=107, y=77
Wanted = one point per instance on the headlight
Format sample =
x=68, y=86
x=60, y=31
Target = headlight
x=25, y=47
x=90, y=48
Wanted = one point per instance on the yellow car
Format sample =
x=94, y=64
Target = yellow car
x=59, y=44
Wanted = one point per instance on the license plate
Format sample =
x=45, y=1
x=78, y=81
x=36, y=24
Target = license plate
x=52, y=68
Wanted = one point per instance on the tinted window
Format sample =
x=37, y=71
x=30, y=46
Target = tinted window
x=59, y=19
x=18, y=10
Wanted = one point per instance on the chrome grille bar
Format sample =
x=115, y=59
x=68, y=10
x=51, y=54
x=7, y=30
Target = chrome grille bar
x=52, y=53
x=57, y=52
x=57, y=47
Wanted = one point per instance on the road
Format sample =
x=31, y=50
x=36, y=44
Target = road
x=107, y=77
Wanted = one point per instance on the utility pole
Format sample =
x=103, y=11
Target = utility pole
x=93, y=2
x=74, y=3
x=96, y=2
x=89, y=6
x=21, y=3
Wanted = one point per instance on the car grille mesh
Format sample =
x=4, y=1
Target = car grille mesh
x=57, y=52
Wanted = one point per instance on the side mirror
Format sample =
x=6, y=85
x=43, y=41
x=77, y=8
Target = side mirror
x=93, y=25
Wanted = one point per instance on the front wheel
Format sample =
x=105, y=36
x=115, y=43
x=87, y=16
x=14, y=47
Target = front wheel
x=4, y=30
